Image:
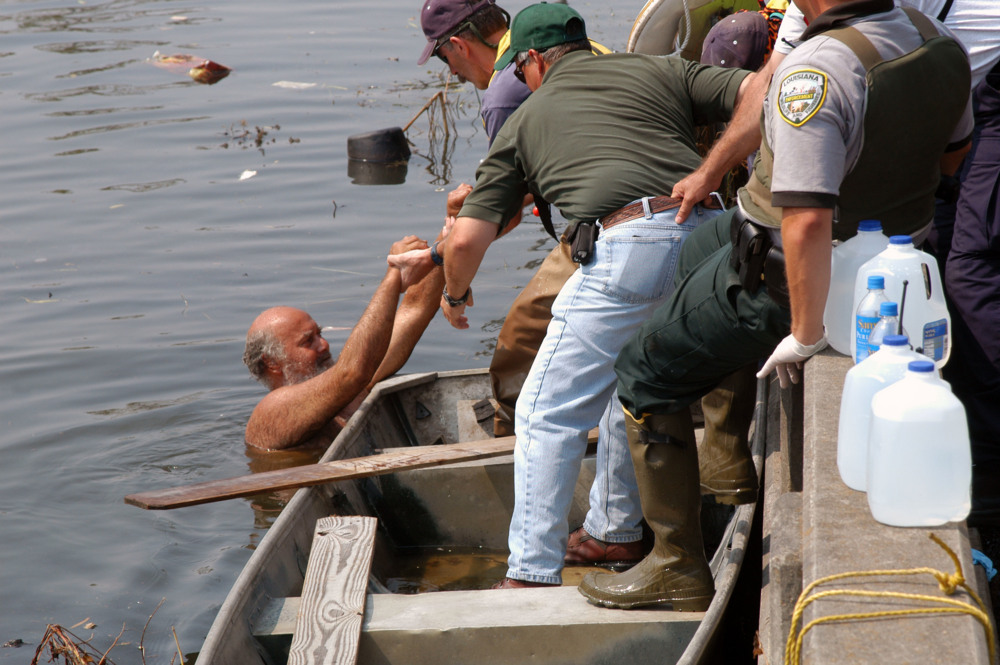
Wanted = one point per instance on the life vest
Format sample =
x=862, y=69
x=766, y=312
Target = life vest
x=898, y=170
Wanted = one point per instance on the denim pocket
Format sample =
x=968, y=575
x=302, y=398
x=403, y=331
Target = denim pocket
x=640, y=269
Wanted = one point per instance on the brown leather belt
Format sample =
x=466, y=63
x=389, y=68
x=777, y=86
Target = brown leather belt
x=635, y=211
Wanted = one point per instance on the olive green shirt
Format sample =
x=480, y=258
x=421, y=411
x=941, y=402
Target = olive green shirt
x=600, y=133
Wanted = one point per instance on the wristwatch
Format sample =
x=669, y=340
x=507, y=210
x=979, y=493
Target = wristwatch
x=435, y=257
x=455, y=302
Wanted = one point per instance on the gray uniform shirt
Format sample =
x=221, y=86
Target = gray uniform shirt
x=814, y=111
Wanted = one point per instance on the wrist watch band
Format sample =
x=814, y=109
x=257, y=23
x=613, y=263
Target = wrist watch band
x=435, y=257
x=455, y=302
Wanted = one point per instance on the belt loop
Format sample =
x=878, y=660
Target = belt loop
x=645, y=208
x=718, y=197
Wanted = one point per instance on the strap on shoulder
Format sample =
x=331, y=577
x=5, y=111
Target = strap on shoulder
x=923, y=24
x=857, y=42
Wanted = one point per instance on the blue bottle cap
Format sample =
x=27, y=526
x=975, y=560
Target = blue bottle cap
x=900, y=240
x=896, y=340
x=920, y=366
x=869, y=225
x=888, y=309
x=876, y=282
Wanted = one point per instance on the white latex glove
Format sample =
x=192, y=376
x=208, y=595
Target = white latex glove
x=788, y=357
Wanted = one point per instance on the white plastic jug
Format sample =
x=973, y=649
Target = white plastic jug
x=924, y=312
x=881, y=369
x=847, y=258
x=919, y=459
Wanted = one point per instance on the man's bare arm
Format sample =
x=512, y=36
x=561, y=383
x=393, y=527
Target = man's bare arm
x=467, y=245
x=805, y=237
x=741, y=137
x=415, y=313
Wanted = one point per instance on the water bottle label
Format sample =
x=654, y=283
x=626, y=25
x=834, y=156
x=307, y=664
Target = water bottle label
x=862, y=329
x=935, y=339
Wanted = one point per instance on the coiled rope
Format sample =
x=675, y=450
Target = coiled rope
x=949, y=583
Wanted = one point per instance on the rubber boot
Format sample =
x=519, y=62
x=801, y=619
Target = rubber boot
x=725, y=465
x=676, y=571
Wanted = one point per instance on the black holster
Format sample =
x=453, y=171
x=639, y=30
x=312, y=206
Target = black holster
x=581, y=242
x=757, y=260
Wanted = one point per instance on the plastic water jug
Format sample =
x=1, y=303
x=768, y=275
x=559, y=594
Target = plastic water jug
x=867, y=316
x=923, y=310
x=847, y=258
x=888, y=324
x=919, y=460
x=863, y=380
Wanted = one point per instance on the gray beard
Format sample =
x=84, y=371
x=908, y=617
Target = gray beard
x=298, y=373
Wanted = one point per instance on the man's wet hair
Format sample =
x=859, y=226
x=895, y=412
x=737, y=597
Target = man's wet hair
x=262, y=345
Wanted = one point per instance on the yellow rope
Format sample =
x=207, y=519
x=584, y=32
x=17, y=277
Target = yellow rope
x=949, y=584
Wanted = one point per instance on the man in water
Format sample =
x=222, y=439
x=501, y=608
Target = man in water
x=311, y=394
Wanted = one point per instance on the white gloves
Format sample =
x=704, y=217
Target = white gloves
x=787, y=359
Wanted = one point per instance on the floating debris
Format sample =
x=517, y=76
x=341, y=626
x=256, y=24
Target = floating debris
x=293, y=85
x=200, y=69
x=246, y=175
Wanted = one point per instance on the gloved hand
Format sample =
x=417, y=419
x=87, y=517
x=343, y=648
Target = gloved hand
x=788, y=357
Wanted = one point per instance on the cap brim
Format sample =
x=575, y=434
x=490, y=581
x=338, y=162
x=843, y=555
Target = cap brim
x=428, y=52
x=504, y=60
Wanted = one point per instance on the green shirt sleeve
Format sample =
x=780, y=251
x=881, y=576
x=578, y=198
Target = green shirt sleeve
x=500, y=183
x=713, y=90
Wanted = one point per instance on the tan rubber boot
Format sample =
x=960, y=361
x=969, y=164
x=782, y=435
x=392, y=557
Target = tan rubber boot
x=724, y=461
x=676, y=571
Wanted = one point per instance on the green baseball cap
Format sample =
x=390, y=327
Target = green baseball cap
x=541, y=26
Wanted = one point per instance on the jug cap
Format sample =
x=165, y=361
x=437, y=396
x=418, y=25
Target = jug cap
x=870, y=225
x=920, y=365
x=888, y=308
x=896, y=340
x=876, y=282
x=900, y=240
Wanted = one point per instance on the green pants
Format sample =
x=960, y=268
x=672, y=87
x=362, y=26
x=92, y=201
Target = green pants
x=709, y=328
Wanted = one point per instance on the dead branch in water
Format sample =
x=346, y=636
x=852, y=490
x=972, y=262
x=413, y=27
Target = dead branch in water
x=72, y=649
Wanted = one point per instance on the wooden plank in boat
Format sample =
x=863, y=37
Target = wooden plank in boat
x=333, y=593
x=390, y=461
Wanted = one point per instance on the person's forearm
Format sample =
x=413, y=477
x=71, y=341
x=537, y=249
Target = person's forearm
x=364, y=349
x=464, y=251
x=415, y=313
x=806, y=238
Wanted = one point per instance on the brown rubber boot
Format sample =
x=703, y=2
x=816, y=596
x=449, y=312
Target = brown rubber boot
x=676, y=571
x=724, y=461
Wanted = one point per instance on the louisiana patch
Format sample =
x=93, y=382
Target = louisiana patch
x=800, y=95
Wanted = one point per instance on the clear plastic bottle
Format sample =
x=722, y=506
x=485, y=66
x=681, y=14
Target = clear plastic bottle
x=846, y=259
x=923, y=311
x=919, y=459
x=867, y=315
x=863, y=380
x=888, y=324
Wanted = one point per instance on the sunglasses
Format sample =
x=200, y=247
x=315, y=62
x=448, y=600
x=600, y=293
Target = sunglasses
x=468, y=25
x=520, y=64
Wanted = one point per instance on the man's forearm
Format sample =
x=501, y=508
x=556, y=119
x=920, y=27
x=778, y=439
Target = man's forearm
x=464, y=251
x=365, y=348
x=419, y=306
x=742, y=134
x=806, y=238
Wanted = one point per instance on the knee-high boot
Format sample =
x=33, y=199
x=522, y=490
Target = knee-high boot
x=676, y=570
x=724, y=461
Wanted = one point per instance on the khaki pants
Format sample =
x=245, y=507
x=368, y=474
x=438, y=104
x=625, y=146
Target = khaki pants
x=523, y=331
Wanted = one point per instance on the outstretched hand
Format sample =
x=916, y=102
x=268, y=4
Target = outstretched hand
x=692, y=190
x=456, y=315
x=404, y=255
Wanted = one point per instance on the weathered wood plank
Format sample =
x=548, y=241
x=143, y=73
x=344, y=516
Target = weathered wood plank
x=333, y=594
x=390, y=461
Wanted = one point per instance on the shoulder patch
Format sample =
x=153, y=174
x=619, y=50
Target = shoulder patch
x=800, y=95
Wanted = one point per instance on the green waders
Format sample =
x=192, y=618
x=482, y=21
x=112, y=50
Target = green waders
x=676, y=570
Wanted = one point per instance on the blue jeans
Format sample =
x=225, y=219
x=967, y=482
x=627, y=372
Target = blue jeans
x=571, y=387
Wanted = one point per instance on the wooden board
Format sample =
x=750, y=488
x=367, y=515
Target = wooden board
x=390, y=461
x=333, y=594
